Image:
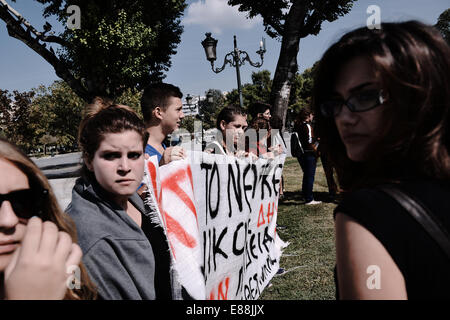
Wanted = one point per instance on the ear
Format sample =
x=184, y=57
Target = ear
x=222, y=125
x=158, y=113
x=88, y=164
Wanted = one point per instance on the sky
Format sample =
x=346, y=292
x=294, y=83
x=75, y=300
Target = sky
x=22, y=69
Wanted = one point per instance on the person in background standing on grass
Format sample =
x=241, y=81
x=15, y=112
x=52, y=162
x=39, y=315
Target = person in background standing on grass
x=382, y=100
x=308, y=159
x=38, y=242
x=328, y=169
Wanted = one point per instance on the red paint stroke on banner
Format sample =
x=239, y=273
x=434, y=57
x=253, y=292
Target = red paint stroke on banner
x=261, y=215
x=189, y=173
x=164, y=214
x=270, y=213
x=173, y=227
x=272, y=209
x=152, y=170
x=171, y=182
x=220, y=294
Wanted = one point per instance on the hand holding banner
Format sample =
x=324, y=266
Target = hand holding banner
x=219, y=215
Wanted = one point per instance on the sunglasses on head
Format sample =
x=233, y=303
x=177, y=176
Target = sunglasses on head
x=359, y=102
x=26, y=203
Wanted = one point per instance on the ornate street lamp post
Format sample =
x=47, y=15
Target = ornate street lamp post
x=235, y=58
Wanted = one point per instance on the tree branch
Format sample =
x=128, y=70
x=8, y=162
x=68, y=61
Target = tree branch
x=278, y=27
x=21, y=20
x=14, y=22
x=313, y=22
x=54, y=39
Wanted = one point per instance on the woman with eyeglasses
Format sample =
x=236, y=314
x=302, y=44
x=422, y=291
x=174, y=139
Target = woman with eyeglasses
x=115, y=229
x=38, y=250
x=382, y=101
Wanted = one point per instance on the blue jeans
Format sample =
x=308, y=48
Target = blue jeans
x=308, y=163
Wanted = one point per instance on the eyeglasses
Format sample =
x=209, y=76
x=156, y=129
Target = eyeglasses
x=359, y=102
x=26, y=203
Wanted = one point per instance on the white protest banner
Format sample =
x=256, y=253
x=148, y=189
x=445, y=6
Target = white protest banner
x=220, y=215
x=238, y=201
x=172, y=189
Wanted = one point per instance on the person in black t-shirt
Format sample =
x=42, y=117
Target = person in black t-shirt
x=308, y=158
x=382, y=104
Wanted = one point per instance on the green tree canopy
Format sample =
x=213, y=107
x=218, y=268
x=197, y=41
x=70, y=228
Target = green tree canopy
x=48, y=115
x=210, y=110
x=258, y=90
x=15, y=117
x=122, y=44
x=56, y=111
x=443, y=24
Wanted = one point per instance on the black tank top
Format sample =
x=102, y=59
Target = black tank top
x=424, y=265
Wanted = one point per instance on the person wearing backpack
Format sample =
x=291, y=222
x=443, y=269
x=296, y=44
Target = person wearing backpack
x=382, y=104
x=304, y=148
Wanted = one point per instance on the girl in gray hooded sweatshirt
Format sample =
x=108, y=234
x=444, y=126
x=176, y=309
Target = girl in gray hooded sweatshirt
x=126, y=255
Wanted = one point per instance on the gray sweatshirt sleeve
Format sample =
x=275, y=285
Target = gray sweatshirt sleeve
x=118, y=273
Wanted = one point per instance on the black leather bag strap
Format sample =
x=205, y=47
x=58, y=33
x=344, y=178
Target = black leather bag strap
x=422, y=215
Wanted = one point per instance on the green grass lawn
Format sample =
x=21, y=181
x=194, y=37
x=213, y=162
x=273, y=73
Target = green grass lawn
x=310, y=257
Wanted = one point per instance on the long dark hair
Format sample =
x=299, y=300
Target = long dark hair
x=52, y=212
x=301, y=117
x=412, y=62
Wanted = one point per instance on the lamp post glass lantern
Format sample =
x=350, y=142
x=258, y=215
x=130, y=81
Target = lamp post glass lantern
x=235, y=58
x=210, y=44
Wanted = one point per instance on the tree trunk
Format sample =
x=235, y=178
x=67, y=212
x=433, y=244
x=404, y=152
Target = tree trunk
x=287, y=65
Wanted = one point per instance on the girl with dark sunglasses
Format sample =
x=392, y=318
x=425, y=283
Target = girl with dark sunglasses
x=38, y=249
x=382, y=102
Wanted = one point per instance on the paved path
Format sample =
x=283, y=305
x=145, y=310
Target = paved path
x=62, y=171
x=60, y=166
x=59, y=160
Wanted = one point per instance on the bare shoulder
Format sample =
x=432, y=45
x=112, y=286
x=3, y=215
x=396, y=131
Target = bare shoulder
x=365, y=269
